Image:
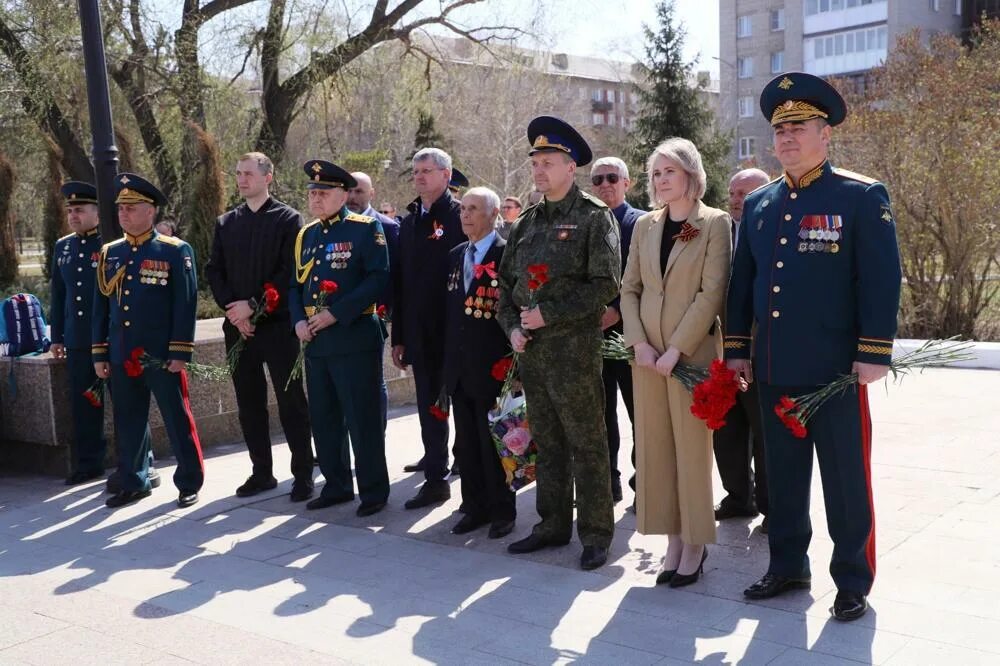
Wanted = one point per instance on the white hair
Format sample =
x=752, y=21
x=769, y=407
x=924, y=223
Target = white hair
x=489, y=197
x=751, y=174
x=686, y=155
x=441, y=159
x=615, y=162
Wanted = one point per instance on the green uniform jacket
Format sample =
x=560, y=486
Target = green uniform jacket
x=580, y=245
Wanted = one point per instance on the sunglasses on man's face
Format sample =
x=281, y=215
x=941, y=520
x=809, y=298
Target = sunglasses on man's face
x=386, y=212
x=613, y=179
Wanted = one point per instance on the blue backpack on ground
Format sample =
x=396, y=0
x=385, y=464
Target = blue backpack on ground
x=22, y=326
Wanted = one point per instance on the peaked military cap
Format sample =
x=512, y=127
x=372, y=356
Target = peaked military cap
x=76, y=192
x=458, y=179
x=132, y=188
x=797, y=96
x=325, y=175
x=548, y=133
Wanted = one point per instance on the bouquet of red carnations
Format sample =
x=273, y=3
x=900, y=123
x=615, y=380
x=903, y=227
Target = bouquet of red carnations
x=265, y=306
x=326, y=288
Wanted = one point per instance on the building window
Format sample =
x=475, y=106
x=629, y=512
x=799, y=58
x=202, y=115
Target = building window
x=746, y=147
x=958, y=7
x=598, y=119
x=595, y=95
x=743, y=28
x=822, y=6
x=609, y=95
x=746, y=107
x=777, y=19
x=777, y=62
x=856, y=41
x=744, y=67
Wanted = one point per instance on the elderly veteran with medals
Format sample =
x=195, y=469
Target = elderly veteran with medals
x=817, y=268
x=146, y=300
x=341, y=268
x=572, y=238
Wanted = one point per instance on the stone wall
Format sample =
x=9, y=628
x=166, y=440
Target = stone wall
x=36, y=427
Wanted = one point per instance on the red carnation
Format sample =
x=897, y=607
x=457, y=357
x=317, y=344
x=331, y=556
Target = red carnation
x=328, y=286
x=92, y=398
x=271, y=298
x=439, y=413
x=542, y=278
x=537, y=269
x=133, y=368
x=137, y=353
x=502, y=368
x=533, y=284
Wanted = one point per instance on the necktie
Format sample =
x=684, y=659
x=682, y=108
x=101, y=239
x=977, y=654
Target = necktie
x=470, y=262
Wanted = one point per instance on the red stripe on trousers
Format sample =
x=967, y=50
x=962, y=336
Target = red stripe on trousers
x=190, y=417
x=866, y=452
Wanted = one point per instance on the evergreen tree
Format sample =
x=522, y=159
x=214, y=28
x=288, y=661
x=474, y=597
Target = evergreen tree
x=54, y=221
x=427, y=135
x=671, y=107
x=8, y=246
x=205, y=199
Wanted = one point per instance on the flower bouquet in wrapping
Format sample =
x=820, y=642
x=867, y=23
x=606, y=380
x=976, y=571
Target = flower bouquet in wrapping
x=795, y=413
x=713, y=389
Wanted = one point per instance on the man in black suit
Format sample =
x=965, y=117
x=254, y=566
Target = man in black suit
x=359, y=200
x=426, y=236
x=474, y=342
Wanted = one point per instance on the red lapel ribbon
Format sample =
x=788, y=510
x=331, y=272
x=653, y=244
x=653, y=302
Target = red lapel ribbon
x=489, y=269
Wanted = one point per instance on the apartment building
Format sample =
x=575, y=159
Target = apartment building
x=832, y=38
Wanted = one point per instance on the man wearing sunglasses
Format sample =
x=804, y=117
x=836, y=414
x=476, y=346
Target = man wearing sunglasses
x=510, y=210
x=609, y=182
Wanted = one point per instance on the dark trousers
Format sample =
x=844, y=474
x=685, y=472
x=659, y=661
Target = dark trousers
x=89, y=443
x=384, y=390
x=131, y=396
x=617, y=376
x=345, y=414
x=735, y=444
x=485, y=493
x=275, y=345
x=841, y=433
x=428, y=378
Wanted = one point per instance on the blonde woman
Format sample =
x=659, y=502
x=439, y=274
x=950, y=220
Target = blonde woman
x=672, y=293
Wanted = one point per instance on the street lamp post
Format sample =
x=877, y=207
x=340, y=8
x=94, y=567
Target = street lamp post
x=105, y=153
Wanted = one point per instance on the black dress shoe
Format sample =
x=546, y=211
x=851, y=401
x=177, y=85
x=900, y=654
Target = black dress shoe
x=616, y=489
x=414, y=467
x=771, y=585
x=593, y=557
x=125, y=497
x=468, y=523
x=726, y=511
x=301, y=491
x=680, y=580
x=76, y=478
x=849, y=606
x=322, y=502
x=764, y=526
x=114, y=485
x=431, y=492
x=187, y=498
x=533, y=542
x=501, y=528
x=370, y=509
x=254, y=485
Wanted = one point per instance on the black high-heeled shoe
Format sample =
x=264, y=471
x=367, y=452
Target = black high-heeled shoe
x=680, y=580
x=664, y=577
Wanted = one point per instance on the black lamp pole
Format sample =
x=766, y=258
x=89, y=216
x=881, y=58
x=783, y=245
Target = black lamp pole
x=105, y=153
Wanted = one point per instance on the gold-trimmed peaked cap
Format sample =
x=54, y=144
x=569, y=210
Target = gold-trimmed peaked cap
x=548, y=133
x=131, y=188
x=796, y=96
x=325, y=175
x=77, y=192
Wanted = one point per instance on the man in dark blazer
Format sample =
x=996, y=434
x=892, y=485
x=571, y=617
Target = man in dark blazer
x=426, y=236
x=609, y=182
x=474, y=342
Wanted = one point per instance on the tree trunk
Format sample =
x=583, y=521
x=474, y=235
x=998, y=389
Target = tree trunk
x=8, y=247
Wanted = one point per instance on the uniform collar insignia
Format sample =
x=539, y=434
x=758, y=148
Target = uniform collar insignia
x=808, y=178
x=138, y=240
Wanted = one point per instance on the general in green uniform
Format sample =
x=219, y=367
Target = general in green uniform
x=574, y=238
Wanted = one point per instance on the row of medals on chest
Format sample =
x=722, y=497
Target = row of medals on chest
x=483, y=304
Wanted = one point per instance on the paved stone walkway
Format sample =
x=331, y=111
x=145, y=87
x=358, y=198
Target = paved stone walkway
x=261, y=581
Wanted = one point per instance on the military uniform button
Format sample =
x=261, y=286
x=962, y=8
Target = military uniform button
x=783, y=241
x=79, y=284
x=780, y=264
x=79, y=298
x=127, y=292
x=315, y=278
x=80, y=255
x=787, y=217
x=130, y=262
x=774, y=314
x=794, y=195
x=776, y=289
x=135, y=249
x=79, y=313
x=79, y=269
x=125, y=308
x=128, y=323
x=128, y=277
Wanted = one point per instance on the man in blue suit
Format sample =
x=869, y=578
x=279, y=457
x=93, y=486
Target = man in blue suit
x=817, y=268
x=610, y=182
x=341, y=268
x=359, y=200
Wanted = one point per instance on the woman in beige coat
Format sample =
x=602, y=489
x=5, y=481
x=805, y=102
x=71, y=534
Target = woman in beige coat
x=673, y=292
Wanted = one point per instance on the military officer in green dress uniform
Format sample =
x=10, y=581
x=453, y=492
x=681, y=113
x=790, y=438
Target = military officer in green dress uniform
x=146, y=301
x=573, y=238
x=341, y=269
x=74, y=264
x=817, y=268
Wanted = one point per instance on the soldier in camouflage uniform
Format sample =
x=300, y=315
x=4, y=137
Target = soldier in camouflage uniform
x=575, y=236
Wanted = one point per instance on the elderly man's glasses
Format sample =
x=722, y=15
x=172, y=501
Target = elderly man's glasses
x=613, y=179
